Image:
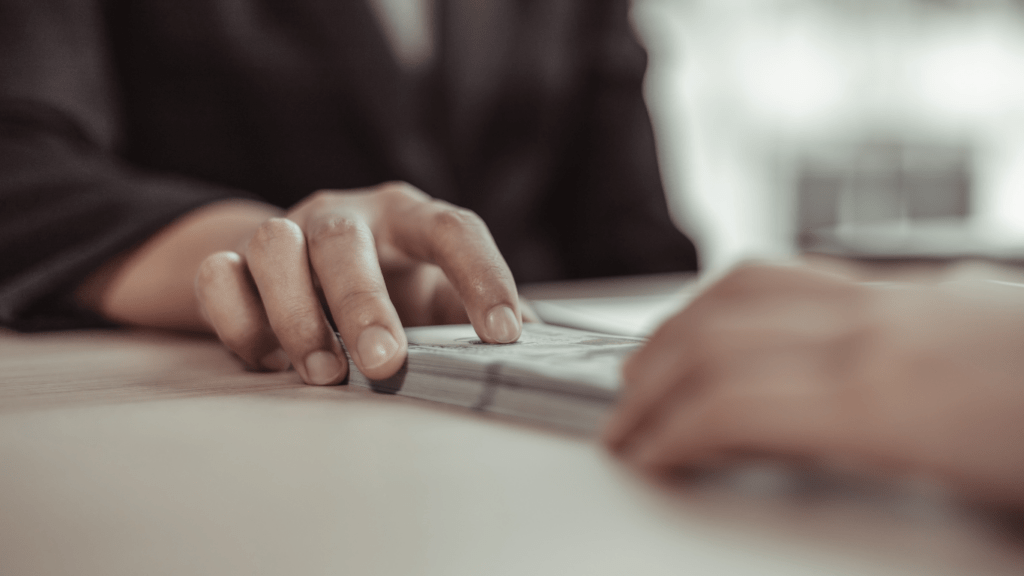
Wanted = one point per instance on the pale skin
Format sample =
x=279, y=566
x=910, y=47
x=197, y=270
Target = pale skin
x=256, y=276
x=780, y=361
x=795, y=363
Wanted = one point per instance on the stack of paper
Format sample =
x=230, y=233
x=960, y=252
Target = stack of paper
x=559, y=376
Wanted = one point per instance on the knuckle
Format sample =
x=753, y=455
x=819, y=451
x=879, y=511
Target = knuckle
x=215, y=266
x=274, y=230
x=452, y=221
x=321, y=196
x=320, y=199
x=740, y=280
x=336, y=227
x=398, y=191
x=481, y=284
x=757, y=280
x=299, y=330
x=360, y=306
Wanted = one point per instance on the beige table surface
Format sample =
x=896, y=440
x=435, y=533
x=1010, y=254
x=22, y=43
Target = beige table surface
x=129, y=452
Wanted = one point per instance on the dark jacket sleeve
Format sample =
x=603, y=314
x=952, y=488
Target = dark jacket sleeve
x=618, y=220
x=67, y=203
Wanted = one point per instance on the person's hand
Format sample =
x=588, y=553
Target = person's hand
x=378, y=258
x=793, y=363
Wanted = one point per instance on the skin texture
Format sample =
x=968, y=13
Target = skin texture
x=258, y=277
x=798, y=364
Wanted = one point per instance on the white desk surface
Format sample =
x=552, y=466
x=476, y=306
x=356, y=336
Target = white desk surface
x=126, y=452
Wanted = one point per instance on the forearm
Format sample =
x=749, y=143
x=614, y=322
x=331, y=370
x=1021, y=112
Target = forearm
x=152, y=284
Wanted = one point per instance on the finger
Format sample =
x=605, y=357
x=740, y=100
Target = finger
x=752, y=308
x=662, y=350
x=664, y=363
x=279, y=265
x=754, y=288
x=692, y=351
x=785, y=415
x=736, y=344
x=717, y=429
x=746, y=286
x=343, y=252
x=679, y=337
x=459, y=242
x=229, y=302
x=639, y=407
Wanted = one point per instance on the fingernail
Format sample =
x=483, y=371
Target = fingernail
x=376, y=346
x=276, y=361
x=323, y=367
x=502, y=324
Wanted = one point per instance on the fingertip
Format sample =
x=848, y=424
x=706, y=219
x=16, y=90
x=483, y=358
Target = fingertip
x=376, y=345
x=503, y=325
x=324, y=368
x=378, y=352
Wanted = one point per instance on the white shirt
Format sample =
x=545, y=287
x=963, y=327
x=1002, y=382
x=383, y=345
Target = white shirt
x=409, y=28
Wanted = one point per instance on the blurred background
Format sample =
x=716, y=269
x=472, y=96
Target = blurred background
x=879, y=129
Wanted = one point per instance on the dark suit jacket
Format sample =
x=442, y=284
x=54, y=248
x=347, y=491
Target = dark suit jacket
x=117, y=116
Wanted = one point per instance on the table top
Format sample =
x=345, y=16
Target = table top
x=134, y=452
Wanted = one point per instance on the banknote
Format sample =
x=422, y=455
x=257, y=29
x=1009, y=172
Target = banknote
x=553, y=375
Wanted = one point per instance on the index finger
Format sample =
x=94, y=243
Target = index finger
x=459, y=242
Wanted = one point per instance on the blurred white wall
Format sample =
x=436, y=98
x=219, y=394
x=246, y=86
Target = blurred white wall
x=743, y=91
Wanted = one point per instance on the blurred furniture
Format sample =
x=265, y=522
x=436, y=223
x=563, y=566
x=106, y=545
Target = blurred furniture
x=874, y=129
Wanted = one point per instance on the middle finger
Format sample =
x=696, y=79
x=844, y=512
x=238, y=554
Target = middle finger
x=280, y=267
x=343, y=253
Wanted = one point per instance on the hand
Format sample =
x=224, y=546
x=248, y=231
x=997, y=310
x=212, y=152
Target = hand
x=377, y=258
x=795, y=363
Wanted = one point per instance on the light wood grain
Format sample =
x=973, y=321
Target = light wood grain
x=110, y=366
